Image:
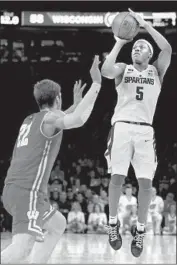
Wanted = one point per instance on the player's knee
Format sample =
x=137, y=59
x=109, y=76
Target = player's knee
x=117, y=180
x=57, y=224
x=61, y=226
x=145, y=184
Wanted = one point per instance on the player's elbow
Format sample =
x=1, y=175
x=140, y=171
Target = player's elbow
x=168, y=48
x=106, y=71
x=78, y=122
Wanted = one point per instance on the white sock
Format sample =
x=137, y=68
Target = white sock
x=140, y=226
x=113, y=220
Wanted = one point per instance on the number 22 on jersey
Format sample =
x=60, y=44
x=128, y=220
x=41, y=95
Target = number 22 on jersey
x=23, y=135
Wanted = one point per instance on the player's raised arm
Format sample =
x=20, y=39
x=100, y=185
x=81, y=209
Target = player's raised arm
x=164, y=58
x=77, y=96
x=110, y=69
x=84, y=108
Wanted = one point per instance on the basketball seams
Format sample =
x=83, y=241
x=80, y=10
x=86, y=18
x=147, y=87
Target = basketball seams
x=131, y=27
x=122, y=22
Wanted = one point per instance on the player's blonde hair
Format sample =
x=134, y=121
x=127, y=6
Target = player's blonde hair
x=45, y=92
x=148, y=43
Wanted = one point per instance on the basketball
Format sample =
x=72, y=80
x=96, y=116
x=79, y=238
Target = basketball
x=125, y=26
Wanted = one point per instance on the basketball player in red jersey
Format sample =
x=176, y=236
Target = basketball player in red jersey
x=138, y=87
x=36, y=148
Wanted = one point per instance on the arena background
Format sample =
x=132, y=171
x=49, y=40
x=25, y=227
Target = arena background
x=35, y=45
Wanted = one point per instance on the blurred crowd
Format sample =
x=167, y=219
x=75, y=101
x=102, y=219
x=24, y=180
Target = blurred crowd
x=80, y=192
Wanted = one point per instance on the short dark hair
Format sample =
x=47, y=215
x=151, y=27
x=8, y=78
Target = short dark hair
x=45, y=92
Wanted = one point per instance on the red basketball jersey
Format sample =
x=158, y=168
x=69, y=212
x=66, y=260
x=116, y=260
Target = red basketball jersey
x=34, y=155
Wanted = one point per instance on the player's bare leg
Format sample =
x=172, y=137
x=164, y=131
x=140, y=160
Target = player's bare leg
x=144, y=199
x=42, y=251
x=18, y=250
x=115, y=188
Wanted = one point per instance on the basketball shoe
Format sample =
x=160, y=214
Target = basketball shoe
x=137, y=242
x=115, y=239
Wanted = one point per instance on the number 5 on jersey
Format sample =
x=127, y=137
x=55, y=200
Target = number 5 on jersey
x=22, y=138
x=139, y=93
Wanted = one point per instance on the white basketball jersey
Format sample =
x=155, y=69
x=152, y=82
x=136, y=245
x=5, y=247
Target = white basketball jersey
x=126, y=204
x=138, y=93
x=156, y=204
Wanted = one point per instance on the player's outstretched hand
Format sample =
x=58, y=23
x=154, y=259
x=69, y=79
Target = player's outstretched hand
x=95, y=71
x=78, y=91
x=139, y=18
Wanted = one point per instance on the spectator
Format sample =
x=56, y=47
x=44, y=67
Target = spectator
x=170, y=221
x=80, y=199
x=163, y=186
x=55, y=205
x=155, y=210
x=173, y=187
x=55, y=185
x=55, y=196
x=126, y=202
x=70, y=197
x=83, y=189
x=64, y=206
x=97, y=220
x=171, y=171
x=168, y=202
x=103, y=198
x=89, y=196
x=96, y=200
x=94, y=182
x=105, y=184
x=76, y=219
x=90, y=207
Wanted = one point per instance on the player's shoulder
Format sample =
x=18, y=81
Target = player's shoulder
x=152, y=70
x=123, y=197
x=29, y=118
x=52, y=116
x=134, y=198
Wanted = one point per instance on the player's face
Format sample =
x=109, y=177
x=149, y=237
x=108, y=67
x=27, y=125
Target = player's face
x=97, y=209
x=140, y=52
x=128, y=191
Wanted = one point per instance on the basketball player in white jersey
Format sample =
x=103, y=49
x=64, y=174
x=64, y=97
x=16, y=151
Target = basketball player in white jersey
x=131, y=138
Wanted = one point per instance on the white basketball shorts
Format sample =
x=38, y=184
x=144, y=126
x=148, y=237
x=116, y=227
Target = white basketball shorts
x=131, y=143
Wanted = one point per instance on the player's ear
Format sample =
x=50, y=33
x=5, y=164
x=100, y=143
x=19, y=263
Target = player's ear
x=150, y=56
x=57, y=100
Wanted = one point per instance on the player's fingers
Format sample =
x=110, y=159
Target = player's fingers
x=96, y=60
x=79, y=83
x=75, y=86
x=131, y=11
x=82, y=88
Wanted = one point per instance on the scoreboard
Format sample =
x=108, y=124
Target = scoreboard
x=79, y=19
